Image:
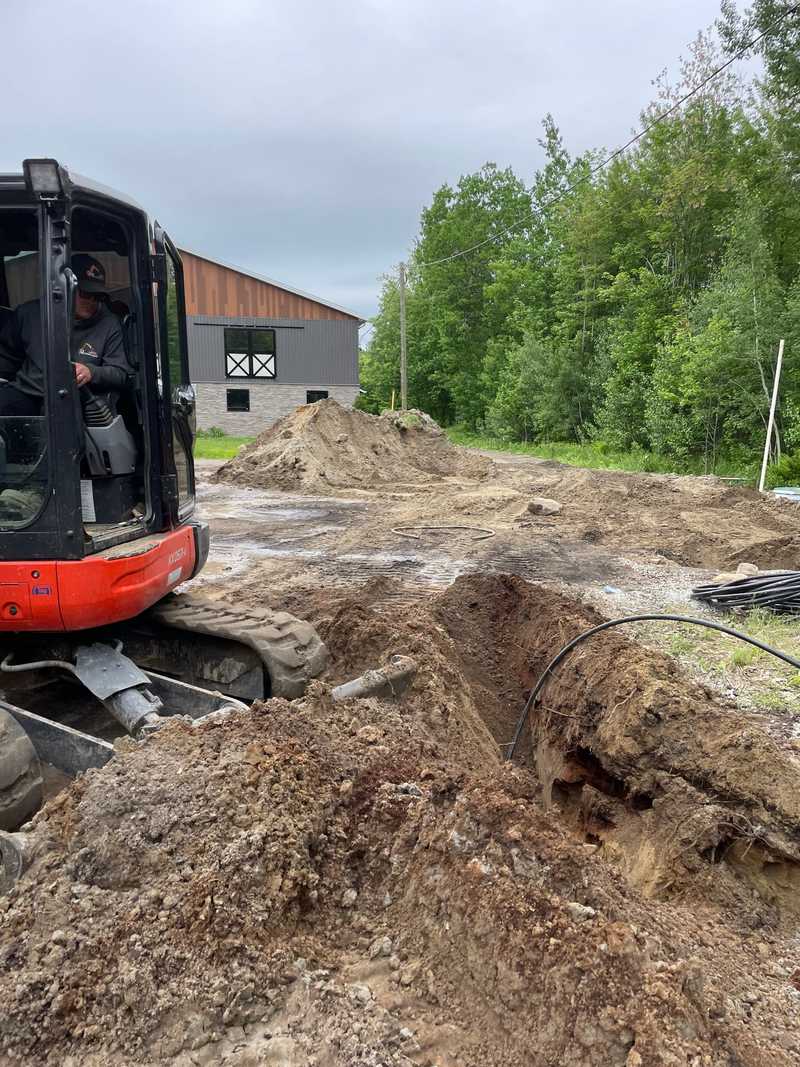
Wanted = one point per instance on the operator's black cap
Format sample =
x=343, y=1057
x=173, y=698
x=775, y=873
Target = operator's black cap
x=90, y=273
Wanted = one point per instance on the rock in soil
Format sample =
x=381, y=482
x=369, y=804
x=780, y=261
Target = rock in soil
x=542, y=505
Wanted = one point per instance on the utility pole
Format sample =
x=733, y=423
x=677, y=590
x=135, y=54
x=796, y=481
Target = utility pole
x=403, y=360
x=771, y=421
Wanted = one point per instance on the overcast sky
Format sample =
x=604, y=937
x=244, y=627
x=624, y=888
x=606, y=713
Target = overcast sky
x=302, y=139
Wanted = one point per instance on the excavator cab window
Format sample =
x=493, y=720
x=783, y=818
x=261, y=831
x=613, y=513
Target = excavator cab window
x=97, y=410
x=24, y=470
x=183, y=419
x=105, y=340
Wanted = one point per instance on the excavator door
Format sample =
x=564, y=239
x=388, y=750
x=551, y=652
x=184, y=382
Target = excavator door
x=174, y=349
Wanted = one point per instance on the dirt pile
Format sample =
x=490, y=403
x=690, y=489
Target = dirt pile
x=328, y=885
x=697, y=521
x=325, y=446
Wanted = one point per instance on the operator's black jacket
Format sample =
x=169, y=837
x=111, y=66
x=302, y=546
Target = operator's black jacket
x=96, y=342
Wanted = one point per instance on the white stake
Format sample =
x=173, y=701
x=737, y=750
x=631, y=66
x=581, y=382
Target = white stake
x=771, y=422
x=403, y=358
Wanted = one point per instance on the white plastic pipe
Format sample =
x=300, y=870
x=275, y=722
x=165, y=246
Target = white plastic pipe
x=771, y=421
x=389, y=680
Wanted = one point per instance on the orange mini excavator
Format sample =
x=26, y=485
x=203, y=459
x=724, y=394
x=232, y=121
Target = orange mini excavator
x=97, y=499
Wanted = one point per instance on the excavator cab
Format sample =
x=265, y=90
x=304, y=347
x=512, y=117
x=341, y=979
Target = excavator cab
x=97, y=500
x=87, y=473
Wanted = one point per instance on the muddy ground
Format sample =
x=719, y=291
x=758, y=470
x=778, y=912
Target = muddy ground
x=402, y=470
x=625, y=540
x=369, y=883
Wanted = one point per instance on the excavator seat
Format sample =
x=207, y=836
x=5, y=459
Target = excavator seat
x=115, y=439
x=110, y=461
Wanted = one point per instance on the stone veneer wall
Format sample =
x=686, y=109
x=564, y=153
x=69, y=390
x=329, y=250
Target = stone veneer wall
x=269, y=401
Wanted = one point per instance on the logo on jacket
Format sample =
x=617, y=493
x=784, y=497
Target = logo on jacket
x=88, y=350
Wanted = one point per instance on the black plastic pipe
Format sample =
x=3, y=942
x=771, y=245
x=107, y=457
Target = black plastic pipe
x=554, y=662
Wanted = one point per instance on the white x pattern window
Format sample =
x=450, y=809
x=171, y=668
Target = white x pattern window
x=249, y=352
x=263, y=366
x=237, y=364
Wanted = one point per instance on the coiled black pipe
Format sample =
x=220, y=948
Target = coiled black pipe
x=554, y=662
x=778, y=592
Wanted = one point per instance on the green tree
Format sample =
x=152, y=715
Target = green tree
x=640, y=303
x=461, y=321
x=713, y=379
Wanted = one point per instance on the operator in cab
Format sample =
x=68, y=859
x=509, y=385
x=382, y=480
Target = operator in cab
x=97, y=349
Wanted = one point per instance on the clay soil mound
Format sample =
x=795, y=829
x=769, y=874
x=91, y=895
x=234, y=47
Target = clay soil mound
x=324, y=445
x=366, y=884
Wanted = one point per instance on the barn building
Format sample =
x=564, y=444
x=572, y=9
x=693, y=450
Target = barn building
x=258, y=348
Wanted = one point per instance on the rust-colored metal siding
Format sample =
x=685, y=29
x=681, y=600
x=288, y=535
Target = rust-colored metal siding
x=212, y=289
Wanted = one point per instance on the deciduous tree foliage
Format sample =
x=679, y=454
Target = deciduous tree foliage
x=641, y=304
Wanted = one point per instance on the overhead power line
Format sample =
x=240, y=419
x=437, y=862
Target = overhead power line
x=623, y=148
x=370, y=327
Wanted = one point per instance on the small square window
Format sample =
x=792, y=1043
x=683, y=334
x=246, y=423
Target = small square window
x=313, y=395
x=238, y=399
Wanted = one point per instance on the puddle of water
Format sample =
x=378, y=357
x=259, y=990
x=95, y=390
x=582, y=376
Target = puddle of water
x=242, y=510
x=228, y=501
x=232, y=555
x=444, y=571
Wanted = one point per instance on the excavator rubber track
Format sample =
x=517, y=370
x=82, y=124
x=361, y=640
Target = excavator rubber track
x=290, y=649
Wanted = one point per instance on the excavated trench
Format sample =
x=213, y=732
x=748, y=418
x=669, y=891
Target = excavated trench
x=671, y=780
x=368, y=883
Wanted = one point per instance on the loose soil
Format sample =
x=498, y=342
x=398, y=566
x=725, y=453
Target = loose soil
x=315, y=884
x=697, y=521
x=324, y=445
x=324, y=884
x=404, y=471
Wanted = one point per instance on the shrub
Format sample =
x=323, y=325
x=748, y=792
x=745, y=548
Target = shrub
x=785, y=472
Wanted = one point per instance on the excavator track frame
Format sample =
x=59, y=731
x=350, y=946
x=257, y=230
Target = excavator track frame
x=196, y=653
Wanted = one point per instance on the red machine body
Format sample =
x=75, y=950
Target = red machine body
x=109, y=587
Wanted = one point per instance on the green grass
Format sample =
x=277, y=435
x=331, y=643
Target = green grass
x=744, y=656
x=218, y=446
x=756, y=678
x=596, y=454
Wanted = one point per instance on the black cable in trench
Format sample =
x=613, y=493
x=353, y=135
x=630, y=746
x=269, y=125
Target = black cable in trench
x=554, y=662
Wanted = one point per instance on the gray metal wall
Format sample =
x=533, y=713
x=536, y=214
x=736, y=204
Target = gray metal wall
x=323, y=352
